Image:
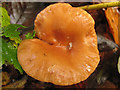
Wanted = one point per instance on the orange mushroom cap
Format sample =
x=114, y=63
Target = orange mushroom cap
x=67, y=50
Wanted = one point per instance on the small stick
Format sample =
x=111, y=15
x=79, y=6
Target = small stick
x=18, y=84
x=101, y=5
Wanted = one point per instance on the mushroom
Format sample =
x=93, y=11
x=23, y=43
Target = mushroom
x=66, y=51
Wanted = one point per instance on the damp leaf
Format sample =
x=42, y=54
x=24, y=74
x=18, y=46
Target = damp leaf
x=30, y=35
x=11, y=32
x=9, y=55
x=4, y=17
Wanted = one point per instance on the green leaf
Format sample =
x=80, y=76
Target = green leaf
x=0, y=52
x=30, y=35
x=4, y=17
x=118, y=65
x=9, y=55
x=11, y=32
x=8, y=51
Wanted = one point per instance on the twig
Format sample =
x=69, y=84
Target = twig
x=17, y=84
x=101, y=5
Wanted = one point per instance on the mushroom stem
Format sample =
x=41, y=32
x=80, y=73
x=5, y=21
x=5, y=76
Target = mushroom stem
x=101, y=5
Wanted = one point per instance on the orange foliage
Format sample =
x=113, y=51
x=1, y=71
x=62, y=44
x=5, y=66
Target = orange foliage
x=113, y=17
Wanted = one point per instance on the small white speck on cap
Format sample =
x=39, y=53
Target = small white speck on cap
x=88, y=68
x=70, y=45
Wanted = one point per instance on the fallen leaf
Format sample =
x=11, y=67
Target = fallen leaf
x=113, y=17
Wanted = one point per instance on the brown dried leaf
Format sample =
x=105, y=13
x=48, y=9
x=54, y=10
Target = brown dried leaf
x=5, y=78
x=108, y=84
x=17, y=84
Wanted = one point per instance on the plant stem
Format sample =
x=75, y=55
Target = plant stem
x=101, y=5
